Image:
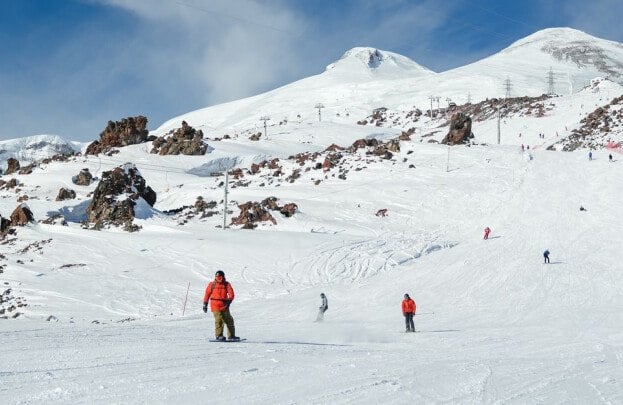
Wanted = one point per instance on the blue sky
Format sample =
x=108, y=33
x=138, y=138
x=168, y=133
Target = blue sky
x=69, y=66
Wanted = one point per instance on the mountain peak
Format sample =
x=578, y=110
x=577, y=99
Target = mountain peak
x=376, y=61
x=555, y=35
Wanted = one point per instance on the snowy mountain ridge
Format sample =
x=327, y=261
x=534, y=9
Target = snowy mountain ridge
x=37, y=147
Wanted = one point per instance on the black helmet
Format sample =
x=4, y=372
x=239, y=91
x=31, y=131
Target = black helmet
x=406, y=296
x=322, y=294
x=220, y=273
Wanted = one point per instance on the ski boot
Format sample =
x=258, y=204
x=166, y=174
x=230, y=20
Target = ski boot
x=233, y=338
x=220, y=338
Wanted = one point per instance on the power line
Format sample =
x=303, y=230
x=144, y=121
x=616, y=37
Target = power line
x=233, y=17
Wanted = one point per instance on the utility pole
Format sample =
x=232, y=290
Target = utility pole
x=225, y=199
x=319, y=106
x=437, y=99
x=499, y=116
x=507, y=86
x=431, y=98
x=550, y=82
x=469, y=98
x=265, y=118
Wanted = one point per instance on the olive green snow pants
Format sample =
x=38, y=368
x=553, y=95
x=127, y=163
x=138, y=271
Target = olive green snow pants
x=219, y=318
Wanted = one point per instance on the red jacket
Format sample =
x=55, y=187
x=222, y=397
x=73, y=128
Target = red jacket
x=219, y=294
x=408, y=306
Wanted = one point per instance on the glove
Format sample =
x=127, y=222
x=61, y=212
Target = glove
x=205, y=308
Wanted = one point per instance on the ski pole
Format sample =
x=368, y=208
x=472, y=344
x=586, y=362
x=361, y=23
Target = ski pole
x=186, y=299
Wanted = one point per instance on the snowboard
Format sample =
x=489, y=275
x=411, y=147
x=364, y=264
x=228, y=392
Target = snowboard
x=227, y=341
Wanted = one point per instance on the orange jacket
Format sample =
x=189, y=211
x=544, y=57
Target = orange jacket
x=408, y=306
x=219, y=294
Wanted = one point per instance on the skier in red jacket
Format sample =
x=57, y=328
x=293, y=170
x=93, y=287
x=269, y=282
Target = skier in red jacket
x=408, y=310
x=487, y=232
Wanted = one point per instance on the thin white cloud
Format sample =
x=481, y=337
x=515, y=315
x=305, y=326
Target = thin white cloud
x=601, y=18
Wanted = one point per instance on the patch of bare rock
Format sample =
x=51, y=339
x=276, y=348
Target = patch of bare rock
x=128, y=131
x=182, y=141
x=116, y=197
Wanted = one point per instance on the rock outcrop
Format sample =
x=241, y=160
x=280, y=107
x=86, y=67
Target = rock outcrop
x=460, y=129
x=185, y=141
x=12, y=166
x=22, y=215
x=65, y=194
x=116, y=196
x=84, y=178
x=252, y=212
x=128, y=131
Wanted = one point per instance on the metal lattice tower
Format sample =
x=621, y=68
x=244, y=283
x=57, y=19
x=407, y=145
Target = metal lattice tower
x=431, y=98
x=550, y=82
x=507, y=87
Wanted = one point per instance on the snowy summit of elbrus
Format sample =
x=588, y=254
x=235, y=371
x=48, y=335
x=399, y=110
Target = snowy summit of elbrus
x=475, y=208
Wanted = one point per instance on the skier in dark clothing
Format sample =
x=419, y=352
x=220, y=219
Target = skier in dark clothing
x=610, y=157
x=546, y=256
x=322, y=308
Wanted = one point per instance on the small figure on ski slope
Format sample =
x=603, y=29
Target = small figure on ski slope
x=324, y=305
x=546, y=256
x=522, y=147
x=220, y=294
x=487, y=232
x=408, y=310
x=590, y=155
x=610, y=157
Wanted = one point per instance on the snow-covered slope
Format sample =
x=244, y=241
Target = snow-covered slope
x=366, y=78
x=495, y=324
x=37, y=147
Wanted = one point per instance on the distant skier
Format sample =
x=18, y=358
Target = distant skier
x=522, y=147
x=610, y=157
x=590, y=155
x=324, y=305
x=220, y=294
x=408, y=310
x=546, y=256
x=487, y=232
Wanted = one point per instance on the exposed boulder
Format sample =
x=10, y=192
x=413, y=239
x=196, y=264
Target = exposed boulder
x=116, y=195
x=289, y=209
x=65, y=194
x=22, y=215
x=185, y=141
x=251, y=212
x=460, y=129
x=84, y=178
x=27, y=169
x=12, y=166
x=5, y=227
x=128, y=131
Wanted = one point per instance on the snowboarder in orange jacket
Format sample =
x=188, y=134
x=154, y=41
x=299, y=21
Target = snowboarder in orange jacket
x=220, y=294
